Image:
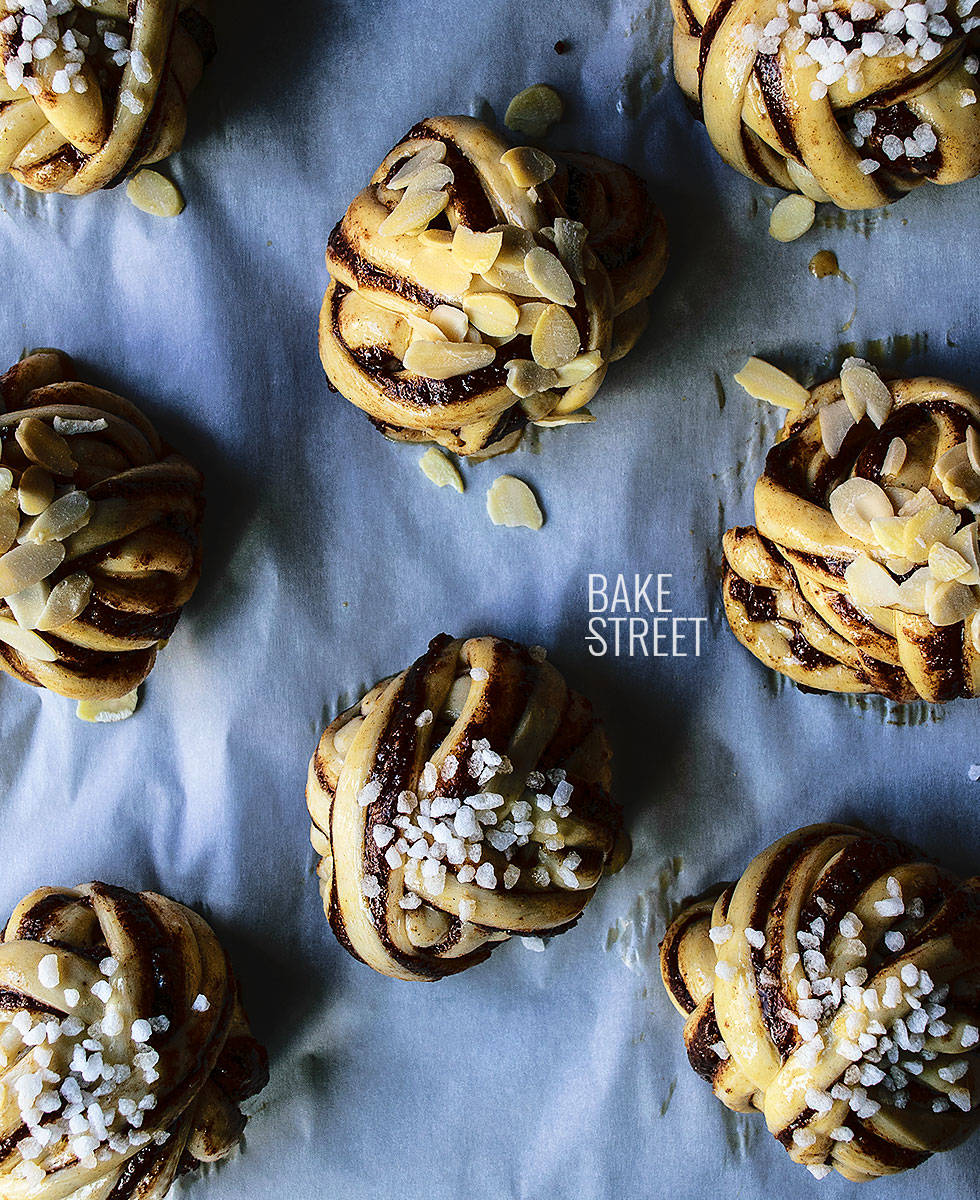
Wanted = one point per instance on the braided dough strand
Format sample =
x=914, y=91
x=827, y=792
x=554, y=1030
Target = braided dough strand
x=834, y=988
x=433, y=812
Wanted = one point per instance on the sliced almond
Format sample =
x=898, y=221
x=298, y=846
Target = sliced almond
x=103, y=712
x=570, y=239
x=6, y=480
x=869, y=585
x=945, y=564
x=899, y=496
x=889, y=533
x=836, y=423
x=540, y=404
x=437, y=467
x=582, y=417
x=511, y=502
x=413, y=212
x=912, y=591
x=26, y=565
x=425, y=156
x=530, y=315
x=975, y=631
x=949, y=603
x=528, y=166
x=865, y=391
x=445, y=360
x=973, y=447
x=436, y=237
x=964, y=542
x=492, y=313
x=894, y=458
x=525, y=377
x=28, y=605
x=153, y=193
x=899, y=566
x=549, y=277
x=534, y=110
x=60, y=520
x=438, y=271
x=507, y=273
x=855, y=503
x=69, y=598
x=918, y=501
x=555, y=341
x=475, y=251
x=25, y=641
x=35, y=491
x=430, y=176
x=792, y=218
x=923, y=529
x=45, y=447
x=766, y=382
x=9, y=520
x=428, y=331
x=579, y=369
x=955, y=472
x=452, y=321
x=71, y=427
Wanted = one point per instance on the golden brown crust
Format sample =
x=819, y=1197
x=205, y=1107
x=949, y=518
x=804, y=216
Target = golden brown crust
x=843, y=139
x=88, y=113
x=147, y=1051
x=833, y=988
x=138, y=543
x=461, y=802
x=789, y=589
x=384, y=286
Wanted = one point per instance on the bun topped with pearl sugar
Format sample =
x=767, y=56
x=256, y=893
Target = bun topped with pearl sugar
x=835, y=988
x=92, y=89
x=461, y=802
x=125, y=1053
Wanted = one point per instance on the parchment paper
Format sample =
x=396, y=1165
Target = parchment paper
x=331, y=561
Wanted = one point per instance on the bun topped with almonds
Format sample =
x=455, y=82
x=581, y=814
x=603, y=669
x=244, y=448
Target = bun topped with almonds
x=861, y=573
x=477, y=287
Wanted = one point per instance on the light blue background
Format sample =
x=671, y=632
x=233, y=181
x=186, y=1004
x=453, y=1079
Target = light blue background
x=331, y=561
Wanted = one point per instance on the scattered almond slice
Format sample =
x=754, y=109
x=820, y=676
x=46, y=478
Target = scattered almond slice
x=413, y=212
x=865, y=391
x=450, y=321
x=528, y=166
x=492, y=313
x=436, y=237
x=870, y=585
x=579, y=369
x=949, y=603
x=441, y=470
x=439, y=271
x=555, y=341
x=889, y=533
x=25, y=641
x=912, y=591
x=477, y=252
x=540, y=404
x=427, y=176
x=9, y=520
x=103, y=712
x=525, y=377
x=918, y=501
x=35, y=491
x=899, y=566
x=973, y=447
x=945, y=564
x=530, y=314
x=427, y=331
x=445, y=360
x=855, y=503
x=68, y=600
x=45, y=447
x=549, y=277
x=70, y=427
x=899, y=496
x=6, y=480
x=935, y=523
x=570, y=239
x=26, y=565
x=534, y=110
x=894, y=458
x=153, y=193
x=964, y=542
x=836, y=423
x=581, y=417
x=511, y=502
x=766, y=382
x=975, y=631
x=955, y=472
x=792, y=217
